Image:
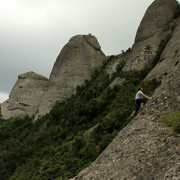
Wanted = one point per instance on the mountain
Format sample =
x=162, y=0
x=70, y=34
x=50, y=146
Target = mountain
x=89, y=134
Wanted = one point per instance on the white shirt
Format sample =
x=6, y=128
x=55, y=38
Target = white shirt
x=139, y=95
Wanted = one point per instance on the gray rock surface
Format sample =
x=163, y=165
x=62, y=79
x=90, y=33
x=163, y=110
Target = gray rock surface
x=74, y=64
x=25, y=96
x=155, y=25
x=116, y=81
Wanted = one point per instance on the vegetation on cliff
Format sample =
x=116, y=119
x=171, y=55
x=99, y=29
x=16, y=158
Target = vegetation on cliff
x=60, y=140
x=172, y=120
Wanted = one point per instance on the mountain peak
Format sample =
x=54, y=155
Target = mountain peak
x=156, y=25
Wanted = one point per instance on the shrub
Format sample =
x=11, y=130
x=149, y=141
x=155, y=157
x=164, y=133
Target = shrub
x=172, y=120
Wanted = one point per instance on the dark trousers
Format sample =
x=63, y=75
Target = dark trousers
x=138, y=103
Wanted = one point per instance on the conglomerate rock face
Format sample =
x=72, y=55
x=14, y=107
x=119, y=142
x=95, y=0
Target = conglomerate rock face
x=75, y=63
x=155, y=25
x=25, y=96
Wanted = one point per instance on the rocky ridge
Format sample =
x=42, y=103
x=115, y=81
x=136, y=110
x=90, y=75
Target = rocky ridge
x=156, y=25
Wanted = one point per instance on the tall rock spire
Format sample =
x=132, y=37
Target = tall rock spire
x=34, y=93
x=155, y=25
x=74, y=64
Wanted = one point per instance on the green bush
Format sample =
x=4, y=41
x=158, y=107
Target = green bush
x=172, y=120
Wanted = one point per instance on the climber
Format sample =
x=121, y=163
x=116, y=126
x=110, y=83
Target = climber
x=140, y=100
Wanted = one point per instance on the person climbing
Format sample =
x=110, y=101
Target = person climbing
x=140, y=100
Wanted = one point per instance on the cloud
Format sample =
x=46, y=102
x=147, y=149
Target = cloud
x=3, y=97
x=20, y=16
x=33, y=32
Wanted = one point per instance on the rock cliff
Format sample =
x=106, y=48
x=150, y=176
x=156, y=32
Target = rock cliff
x=170, y=57
x=157, y=24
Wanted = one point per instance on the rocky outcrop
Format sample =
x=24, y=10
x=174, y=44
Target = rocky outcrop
x=25, y=96
x=156, y=24
x=74, y=64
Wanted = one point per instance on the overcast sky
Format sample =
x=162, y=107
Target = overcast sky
x=33, y=32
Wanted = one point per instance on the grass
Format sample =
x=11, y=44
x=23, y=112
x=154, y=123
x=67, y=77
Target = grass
x=172, y=120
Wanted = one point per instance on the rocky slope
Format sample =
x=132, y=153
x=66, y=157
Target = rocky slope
x=34, y=93
x=157, y=24
x=144, y=149
x=170, y=57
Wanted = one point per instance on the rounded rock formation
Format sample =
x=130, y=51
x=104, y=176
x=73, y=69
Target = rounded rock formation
x=73, y=66
x=25, y=96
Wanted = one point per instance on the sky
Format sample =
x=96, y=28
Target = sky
x=33, y=32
